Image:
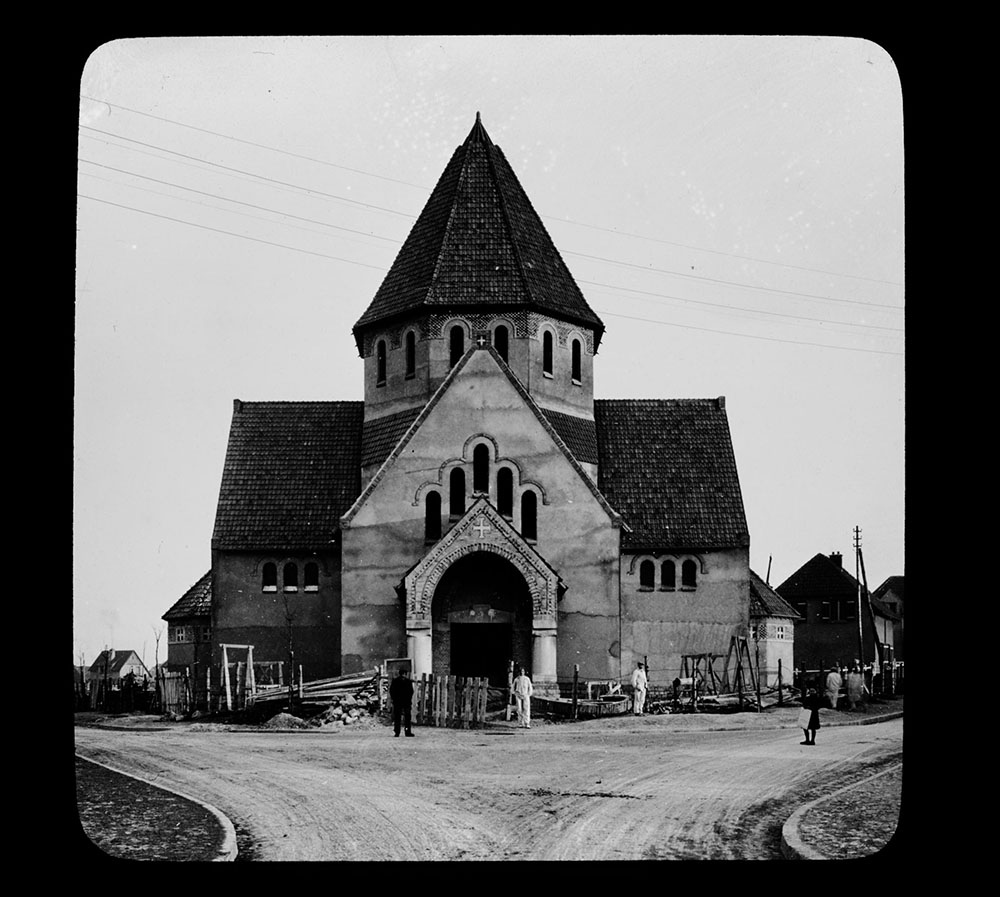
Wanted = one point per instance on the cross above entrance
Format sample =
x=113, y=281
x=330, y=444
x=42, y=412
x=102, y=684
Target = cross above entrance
x=482, y=527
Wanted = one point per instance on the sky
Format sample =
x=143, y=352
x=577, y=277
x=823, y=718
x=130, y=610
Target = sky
x=731, y=207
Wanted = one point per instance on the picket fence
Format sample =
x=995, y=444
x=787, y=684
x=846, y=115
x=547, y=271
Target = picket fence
x=449, y=701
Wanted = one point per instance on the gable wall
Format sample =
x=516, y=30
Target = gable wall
x=664, y=625
x=244, y=614
x=386, y=537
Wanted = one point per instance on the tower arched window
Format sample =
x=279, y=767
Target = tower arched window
x=457, y=343
x=432, y=516
x=311, y=577
x=290, y=578
x=668, y=575
x=481, y=469
x=411, y=354
x=577, y=364
x=380, y=362
x=689, y=574
x=547, y=352
x=269, y=580
x=456, y=500
x=647, y=575
x=501, y=341
x=529, y=515
x=505, y=492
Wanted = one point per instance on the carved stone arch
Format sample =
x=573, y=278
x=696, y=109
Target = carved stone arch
x=448, y=323
x=421, y=491
x=467, y=455
x=446, y=466
x=497, y=537
x=524, y=485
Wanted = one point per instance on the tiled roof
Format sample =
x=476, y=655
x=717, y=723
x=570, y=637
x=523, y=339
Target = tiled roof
x=579, y=434
x=118, y=661
x=892, y=584
x=291, y=470
x=381, y=435
x=667, y=466
x=765, y=602
x=195, y=602
x=821, y=577
x=478, y=242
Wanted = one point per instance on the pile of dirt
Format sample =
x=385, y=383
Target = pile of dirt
x=285, y=721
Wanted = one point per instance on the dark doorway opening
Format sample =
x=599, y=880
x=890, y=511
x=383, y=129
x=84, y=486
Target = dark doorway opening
x=481, y=649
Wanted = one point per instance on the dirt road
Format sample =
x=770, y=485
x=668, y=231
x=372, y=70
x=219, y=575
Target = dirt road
x=616, y=789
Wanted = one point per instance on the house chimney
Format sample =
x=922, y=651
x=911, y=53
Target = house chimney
x=838, y=560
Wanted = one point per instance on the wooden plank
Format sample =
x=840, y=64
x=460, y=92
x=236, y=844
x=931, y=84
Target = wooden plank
x=449, y=710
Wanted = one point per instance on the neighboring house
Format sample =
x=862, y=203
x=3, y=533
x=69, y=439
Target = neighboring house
x=826, y=596
x=772, y=631
x=116, y=665
x=890, y=594
x=189, y=629
x=479, y=505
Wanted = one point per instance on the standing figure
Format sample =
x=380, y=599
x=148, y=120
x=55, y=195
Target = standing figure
x=522, y=693
x=832, y=687
x=856, y=688
x=809, y=715
x=639, y=683
x=401, y=693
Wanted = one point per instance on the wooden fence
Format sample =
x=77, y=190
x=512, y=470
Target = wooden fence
x=449, y=701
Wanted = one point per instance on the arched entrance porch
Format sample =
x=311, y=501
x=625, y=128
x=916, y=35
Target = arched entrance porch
x=481, y=619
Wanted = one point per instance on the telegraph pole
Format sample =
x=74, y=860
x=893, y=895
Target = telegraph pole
x=857, y=576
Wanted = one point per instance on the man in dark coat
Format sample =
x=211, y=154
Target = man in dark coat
x=401, y=694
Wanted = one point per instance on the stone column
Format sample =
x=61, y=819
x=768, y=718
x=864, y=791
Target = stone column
x=543, y=662
x=418, y=649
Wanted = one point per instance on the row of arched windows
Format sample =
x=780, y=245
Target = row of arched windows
x=456, y=502
x=456, y=342
x=290, y=577
x=668, y=575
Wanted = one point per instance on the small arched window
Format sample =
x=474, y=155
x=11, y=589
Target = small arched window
x=481, y=469
x=456, y=500
x=380, y=363
x=647, y=575
x=290, y=578
x=432, y=516
x=668, y=575
x=547, y=352
x=312, y=577
x=505, y=492
x=411, y=354
x=577, y=365
x=689, y=574
x=529, y=515
x=269, y=580
x=500, y=341
x=457, y=337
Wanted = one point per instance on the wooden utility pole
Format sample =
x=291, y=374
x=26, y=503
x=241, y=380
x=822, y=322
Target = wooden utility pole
x=857, y=576
x=871, y=611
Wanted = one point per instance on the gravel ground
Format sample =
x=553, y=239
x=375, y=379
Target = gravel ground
x=129, y=819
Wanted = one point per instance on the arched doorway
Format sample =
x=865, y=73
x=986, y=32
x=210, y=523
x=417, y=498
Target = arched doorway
x=481, y=618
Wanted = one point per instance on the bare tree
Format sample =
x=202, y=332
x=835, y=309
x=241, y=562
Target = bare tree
x=157, y=633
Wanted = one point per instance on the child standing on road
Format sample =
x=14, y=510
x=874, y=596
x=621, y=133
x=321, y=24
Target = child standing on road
x=809, y=715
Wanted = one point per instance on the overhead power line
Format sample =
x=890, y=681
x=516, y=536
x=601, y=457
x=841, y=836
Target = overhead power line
x=605, y=229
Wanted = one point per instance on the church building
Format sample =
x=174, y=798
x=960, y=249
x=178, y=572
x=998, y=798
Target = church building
x=479, y=505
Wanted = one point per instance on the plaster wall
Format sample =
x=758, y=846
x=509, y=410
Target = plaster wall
x=385, y=538
x=663, y=625
x=244, y=614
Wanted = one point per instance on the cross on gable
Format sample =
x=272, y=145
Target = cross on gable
x=481, y=341
x=482, y=527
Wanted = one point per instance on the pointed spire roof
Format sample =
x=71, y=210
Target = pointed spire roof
x=478, y=243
